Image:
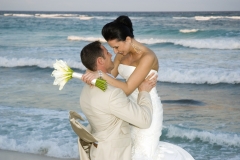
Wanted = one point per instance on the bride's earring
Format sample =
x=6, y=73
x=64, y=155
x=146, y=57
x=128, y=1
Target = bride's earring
x=136, y=48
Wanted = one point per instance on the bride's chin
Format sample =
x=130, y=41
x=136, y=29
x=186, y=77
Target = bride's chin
x=122, y=53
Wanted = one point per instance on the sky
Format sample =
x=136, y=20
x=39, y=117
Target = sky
x=120, y=5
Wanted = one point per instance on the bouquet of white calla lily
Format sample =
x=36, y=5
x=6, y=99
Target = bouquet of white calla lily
x=63, y=73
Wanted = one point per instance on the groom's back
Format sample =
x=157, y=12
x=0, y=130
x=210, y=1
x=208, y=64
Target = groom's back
x=95, y=104
x=113, y=132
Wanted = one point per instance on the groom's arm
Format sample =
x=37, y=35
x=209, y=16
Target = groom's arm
x=138, y=114
x=89, y=128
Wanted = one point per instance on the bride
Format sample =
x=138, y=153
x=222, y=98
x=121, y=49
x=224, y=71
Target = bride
x=134, y=62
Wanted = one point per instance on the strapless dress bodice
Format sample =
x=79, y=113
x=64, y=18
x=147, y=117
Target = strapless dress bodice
x=125, y=70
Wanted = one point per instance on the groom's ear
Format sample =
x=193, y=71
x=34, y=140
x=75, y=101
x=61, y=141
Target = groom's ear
x=100, y=61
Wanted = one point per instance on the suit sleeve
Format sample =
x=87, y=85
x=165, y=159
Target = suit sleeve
x=89, y=128
x=137, y=113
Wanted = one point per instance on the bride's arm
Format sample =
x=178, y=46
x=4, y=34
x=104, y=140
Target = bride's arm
x=137, y=77
x=116, y=62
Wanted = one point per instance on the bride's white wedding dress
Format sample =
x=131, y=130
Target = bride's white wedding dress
x=146, y=144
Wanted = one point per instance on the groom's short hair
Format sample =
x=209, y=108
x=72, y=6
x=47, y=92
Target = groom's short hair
x=90, y=53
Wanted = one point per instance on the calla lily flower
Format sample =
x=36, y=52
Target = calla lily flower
x=63, y=73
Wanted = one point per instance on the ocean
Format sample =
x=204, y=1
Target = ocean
x=198, y=82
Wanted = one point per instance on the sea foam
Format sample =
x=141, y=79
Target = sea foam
x=188, y=30
x=227, y=43
x=223, y=139
x=84, y=17
x=206, y=18
x=41, y=63
x=39, y=131
x=88, y=39
x=19, y=15
x=192, y=76
x=43, y=147
x=55, y=15
x=81, y=17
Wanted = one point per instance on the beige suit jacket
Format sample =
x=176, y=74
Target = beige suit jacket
x=110, y=114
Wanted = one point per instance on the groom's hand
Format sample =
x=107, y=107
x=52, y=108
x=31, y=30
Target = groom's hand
x=148, y=83
x=89, y=76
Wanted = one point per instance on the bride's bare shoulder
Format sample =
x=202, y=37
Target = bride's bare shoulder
x=148, y=54
x=150, y=57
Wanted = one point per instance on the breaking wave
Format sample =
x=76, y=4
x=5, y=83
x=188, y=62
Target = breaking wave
x=223, y=139
x=188, y=30
x=193, y=76
x=227, y=43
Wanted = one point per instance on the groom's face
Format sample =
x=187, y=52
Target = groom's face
x=108, y=63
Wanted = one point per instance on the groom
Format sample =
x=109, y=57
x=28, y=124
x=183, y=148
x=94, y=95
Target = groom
x=110, y=113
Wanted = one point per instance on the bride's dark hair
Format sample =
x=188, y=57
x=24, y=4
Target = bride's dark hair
x=118, y=29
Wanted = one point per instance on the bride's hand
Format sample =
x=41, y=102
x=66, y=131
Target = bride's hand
x=152, y=76
x=89, y=76
x=148, y=83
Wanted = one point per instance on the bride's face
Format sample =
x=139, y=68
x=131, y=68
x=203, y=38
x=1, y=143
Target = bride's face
x=120, y=47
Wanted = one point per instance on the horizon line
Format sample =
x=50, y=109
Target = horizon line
x=108, y=11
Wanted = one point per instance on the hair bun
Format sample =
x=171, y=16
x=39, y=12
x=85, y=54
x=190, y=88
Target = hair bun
x=125, y=20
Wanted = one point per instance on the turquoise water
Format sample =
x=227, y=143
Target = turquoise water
x=199, y=78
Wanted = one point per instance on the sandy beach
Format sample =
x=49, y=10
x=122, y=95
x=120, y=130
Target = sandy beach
x=12, y=155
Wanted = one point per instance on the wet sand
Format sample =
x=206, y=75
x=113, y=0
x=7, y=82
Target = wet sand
x=12, y=155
